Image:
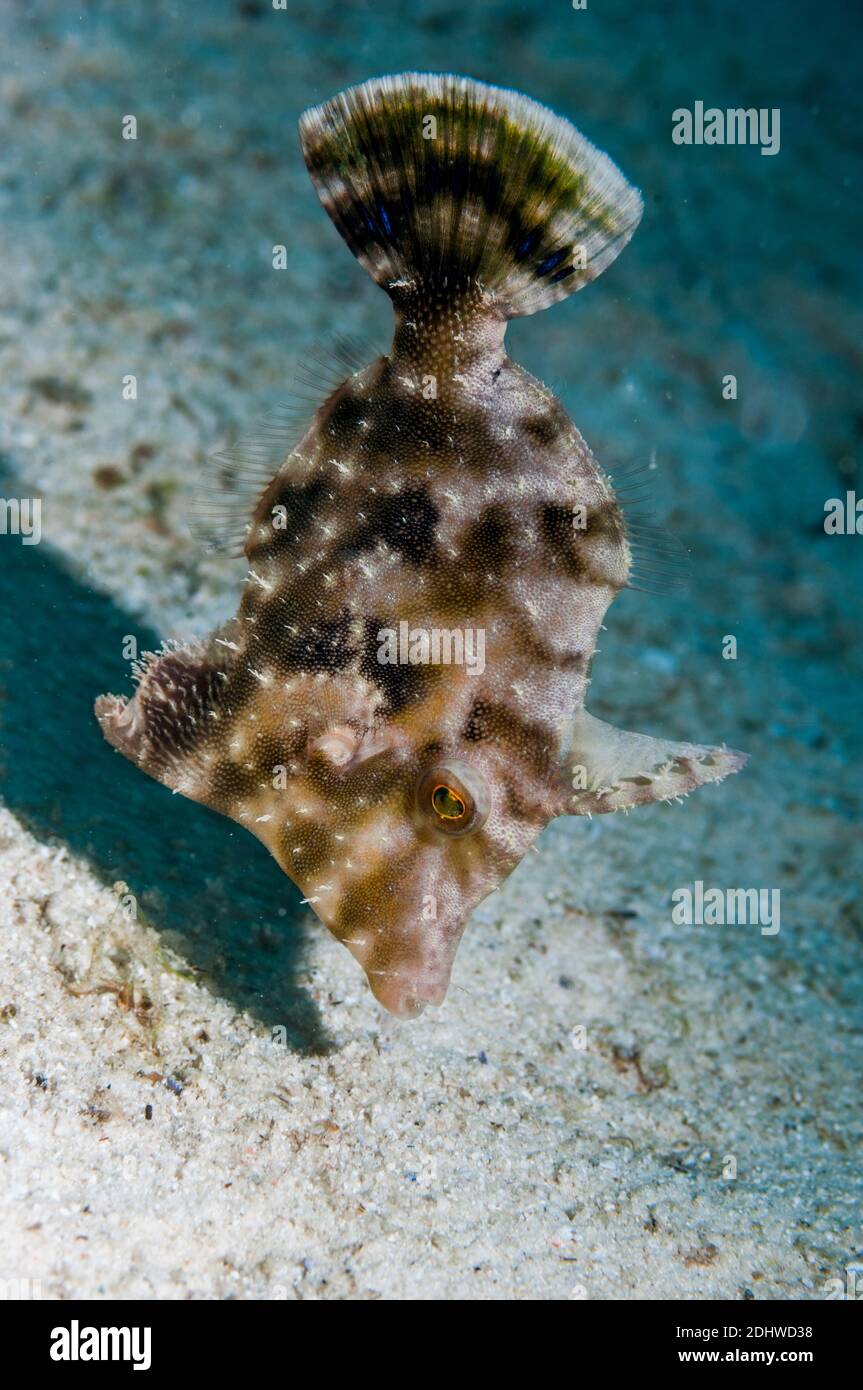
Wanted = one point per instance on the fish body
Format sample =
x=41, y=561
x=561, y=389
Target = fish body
x=397, y=710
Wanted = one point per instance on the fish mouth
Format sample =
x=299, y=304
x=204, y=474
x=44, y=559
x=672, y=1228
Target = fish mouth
x=408, y=967
x=405, y=994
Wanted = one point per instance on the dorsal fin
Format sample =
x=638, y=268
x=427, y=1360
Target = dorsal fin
x=608, y=769
x=659, y=562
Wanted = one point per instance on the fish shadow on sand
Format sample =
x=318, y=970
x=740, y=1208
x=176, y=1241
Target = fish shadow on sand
x=228, y=908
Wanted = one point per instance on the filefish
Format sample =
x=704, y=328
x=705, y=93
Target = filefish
x=440, y=503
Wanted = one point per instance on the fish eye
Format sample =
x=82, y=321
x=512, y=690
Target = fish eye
x=454, y=798
x=448, y=804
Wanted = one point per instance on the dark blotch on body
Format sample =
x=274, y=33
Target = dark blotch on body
x=400, y=684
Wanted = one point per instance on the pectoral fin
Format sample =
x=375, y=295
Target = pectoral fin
x=608, y=769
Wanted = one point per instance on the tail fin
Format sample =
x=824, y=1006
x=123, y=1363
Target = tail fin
x=447, y=180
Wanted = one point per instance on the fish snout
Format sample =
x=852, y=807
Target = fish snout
x=406, y=994
x=408, y=968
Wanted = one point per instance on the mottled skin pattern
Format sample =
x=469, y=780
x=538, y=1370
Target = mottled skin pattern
x=439, y=486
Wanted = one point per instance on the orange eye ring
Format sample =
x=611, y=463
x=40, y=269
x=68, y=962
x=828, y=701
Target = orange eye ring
x=452, y=798
x=447, y=803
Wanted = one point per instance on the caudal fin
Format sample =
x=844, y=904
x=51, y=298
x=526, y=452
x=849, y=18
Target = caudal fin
x=450, y=182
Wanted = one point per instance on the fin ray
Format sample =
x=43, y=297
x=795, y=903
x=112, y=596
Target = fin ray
x=237, y=476
x=451, y=181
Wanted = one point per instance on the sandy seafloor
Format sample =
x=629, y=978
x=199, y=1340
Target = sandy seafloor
x=301, y=1144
